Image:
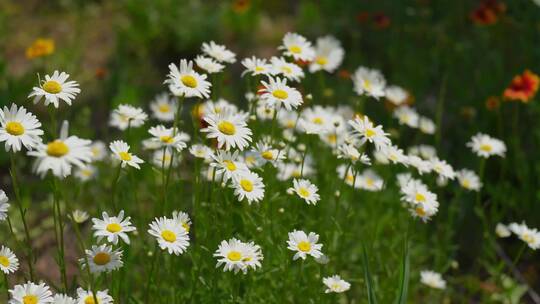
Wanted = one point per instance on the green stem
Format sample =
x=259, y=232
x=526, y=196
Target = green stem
x=59, y=228
x=83, y=250
x=114, y=186
x=440, y=111
x=6, y=282
x=22, y=211
x=151, y=274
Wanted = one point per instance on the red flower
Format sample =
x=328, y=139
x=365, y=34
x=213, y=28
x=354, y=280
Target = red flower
x=487, y=12
x=523, y=87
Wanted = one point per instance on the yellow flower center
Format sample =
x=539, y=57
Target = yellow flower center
x=114, y=228
x=247, y=185
x=370, y=133
x=350, y=178
x=296, y=173
x=295, y=49
x=52, y=87
x=57, y=148
x=86, y=172
x=30, y=299
x=89, y=300
x=259, y=69
x=486, y=148
x=227, y=128
x=166, y=139
x=303, y=192
x=286, y=70
x=234, y=256
x=14, y=128
x=164, y=108
x=321, y=60
x=168, y=236
x=318, y=120
x=420, y=211
x=186, y=226
x=230, y=165
x=367, y=84
x=125, y=156
x=4, y=261
x=189, y=81
x=528, y=238
x=268, y=155
x=102, y=258
x=304, y=246
x=420, y=197
x=370, y=182
x=281, y=94
x=466, y=183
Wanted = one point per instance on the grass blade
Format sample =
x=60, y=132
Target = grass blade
x=404, y=276
x=367, y=276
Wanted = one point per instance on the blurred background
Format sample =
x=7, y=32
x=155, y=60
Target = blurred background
x=455, y=57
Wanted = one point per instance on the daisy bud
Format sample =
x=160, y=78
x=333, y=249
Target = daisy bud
x=337, y=193
x=301, y=147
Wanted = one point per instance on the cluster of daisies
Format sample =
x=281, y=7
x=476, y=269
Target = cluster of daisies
x=235, y=156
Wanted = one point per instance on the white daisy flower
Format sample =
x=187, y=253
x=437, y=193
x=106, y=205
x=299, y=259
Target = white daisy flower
x=277, y=93
x=63, y=299
x=8, y=261
x=298, y=47
x=229, y=129
x=265, y=111
x=169, y=137
x=30, y=293
x=113, y=227
x=485, y=146
x=184, y=81
x=79, y=216
x=256, y=66
x=423, y=166
x=396, y=95
x=55, y=88
x=209, y=65
x=348, y=175
x=424, y=151
x=86, y=173
x=103, y=258
x=164, y=158
x=407, y=116
x=316, y=120
x=61, y=154
x=432, y=279
x=164, y=107
x=264, y=153
x=369, y=82
x=422, y=202
x=306, y=190
x=370, y=181
x=4, y=206
x=426, y=125
x=99, y=150
x=183, y=219
x=336, y=284
x=289, y=70
x=19, y=128
x=127, y=116
x=350, y=152
x=328, y=55
x=250, y=186
x=531, y=236
x=442, y=168
x=218, y=52
x=502, y=230
x=87, y=297
x=364, y=128
x=120, y=151
x=236, y=255
x=304, y=244
x=170, y=235
x=201, y=151
x=228, y=165
x=216, y=107
x=394, y=154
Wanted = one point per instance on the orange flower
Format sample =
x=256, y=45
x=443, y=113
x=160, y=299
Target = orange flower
x=241, y=6
x=488, y=12
x=41, y=47
x=523, y=87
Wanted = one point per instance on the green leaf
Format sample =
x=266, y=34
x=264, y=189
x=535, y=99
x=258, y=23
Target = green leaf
x=367, y=275
x=404, y=276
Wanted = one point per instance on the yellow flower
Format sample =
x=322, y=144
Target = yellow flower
x=39, y=48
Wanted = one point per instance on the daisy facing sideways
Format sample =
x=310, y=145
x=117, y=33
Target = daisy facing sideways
x=87, y=297
x=113, y=227
x=432, y=279
x=168, y=137
x=229, y=129
x=531, y=236
x=184, y=81
x=238, y=256
x=304, y=245
x=120, y=151
x=61, y=154
x=336, y=284
x=306, y=190
x=127, y=116
x=103, y=258
x=170, y=235
x=218, y=52
x=209, y=64
x=255, y=66
x=8, y=261
x=30, y=293
x=4, y=206
x=55, y=88
x=19, y=128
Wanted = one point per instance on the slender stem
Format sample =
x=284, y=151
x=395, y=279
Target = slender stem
x=22, y=211
x=114, y=185
x=59, y=228
x=151, y=274
x=440, y=111
x=83, y=249
x=6, y=282
x=520, y=253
